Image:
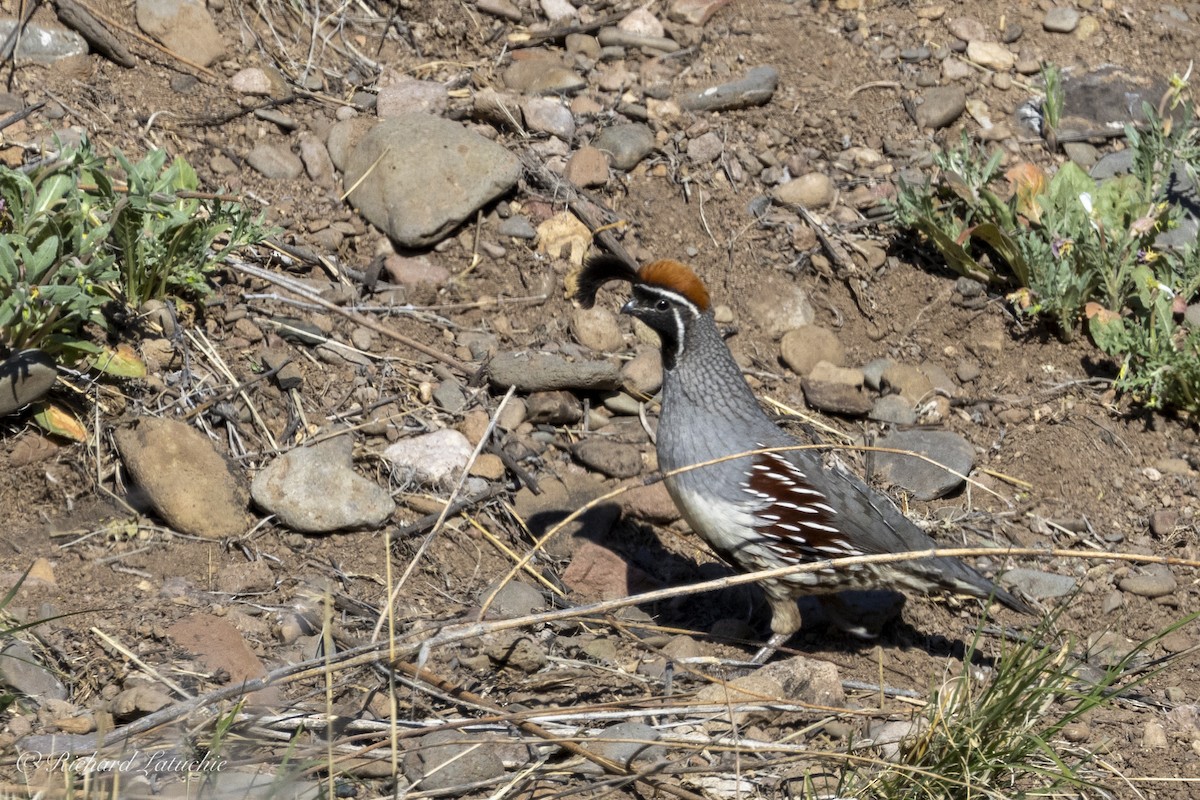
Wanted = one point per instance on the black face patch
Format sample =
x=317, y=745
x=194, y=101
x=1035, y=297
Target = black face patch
x=668, y=314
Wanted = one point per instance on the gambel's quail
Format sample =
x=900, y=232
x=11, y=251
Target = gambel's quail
x=773, y=509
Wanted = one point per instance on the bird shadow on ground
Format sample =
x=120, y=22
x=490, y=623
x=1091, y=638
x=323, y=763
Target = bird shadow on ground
x=737, y=615
x=740, y=615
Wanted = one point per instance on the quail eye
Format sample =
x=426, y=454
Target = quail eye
x=662, y=305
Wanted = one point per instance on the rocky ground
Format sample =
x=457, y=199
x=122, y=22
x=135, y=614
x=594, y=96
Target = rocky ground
x=289, y=459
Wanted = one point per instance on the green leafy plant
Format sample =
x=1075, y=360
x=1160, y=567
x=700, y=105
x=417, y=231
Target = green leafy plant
x=164, y=231
x=75, y=239
x=1074, y=248
x=56, y=273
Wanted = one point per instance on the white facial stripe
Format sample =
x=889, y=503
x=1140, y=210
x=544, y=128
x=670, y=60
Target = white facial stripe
x=674, y=297
x=679, y=331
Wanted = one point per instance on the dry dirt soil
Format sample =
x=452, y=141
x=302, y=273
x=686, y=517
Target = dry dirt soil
x=1079, y=468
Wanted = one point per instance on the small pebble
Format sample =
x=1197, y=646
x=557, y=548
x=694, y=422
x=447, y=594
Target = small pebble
x=967, y=371
x=967, y=29
x=1154, y=736
x=1077, y=732
x=1152, y=583
x=1112, y=601
x=942, y=105
x=813, y=190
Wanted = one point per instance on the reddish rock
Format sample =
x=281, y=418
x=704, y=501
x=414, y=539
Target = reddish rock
x=598, y=573
x=219, y=646
x=413, y=271
x=587, y=167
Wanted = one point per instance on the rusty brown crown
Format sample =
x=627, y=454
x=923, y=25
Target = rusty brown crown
x=673, y=276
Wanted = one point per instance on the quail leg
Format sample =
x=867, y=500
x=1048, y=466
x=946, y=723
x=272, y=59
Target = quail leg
x=785, y=621
x=773, y=644
x=839, y=613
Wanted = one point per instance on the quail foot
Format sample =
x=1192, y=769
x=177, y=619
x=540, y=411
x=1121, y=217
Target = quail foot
x=769, y=509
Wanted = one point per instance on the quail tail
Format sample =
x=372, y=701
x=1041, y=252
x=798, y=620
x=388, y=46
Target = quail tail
x=958, y=577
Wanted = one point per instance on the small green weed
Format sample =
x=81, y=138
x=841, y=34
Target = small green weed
x=994, y=737
x=75, y=240
x=1052, y=105
x=164, y=231
x=1075, y=248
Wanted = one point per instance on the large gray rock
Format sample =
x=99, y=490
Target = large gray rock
x=624, y=743
x=951, y=455
x=316, y=490
x=424, y=175
x=449, y=759
x=43, y=44
x=23, y=672
x=1038, y=584
x=182, y=26
x=25, y=377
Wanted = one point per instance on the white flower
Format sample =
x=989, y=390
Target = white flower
x=1085, y=200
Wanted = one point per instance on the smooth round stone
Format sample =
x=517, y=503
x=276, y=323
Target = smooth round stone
x=943, y=105
x=548, y=115
x=813, y=190
x=1061, y=19
x=992, y=55
x=805, y=347
x=967, y=29
x=596, y=328
x=626, y=145
x=893, y=409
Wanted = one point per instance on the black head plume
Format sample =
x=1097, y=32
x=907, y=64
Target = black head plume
x=584, y=283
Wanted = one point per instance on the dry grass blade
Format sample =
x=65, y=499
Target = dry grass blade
x=994, y=734
x=607, y=765
x=437, y=526
x=358, y=319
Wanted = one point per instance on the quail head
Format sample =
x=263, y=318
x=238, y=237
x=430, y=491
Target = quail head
x=773, y=509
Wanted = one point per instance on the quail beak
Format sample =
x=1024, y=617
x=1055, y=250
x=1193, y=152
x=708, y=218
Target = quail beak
x=630, y=307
